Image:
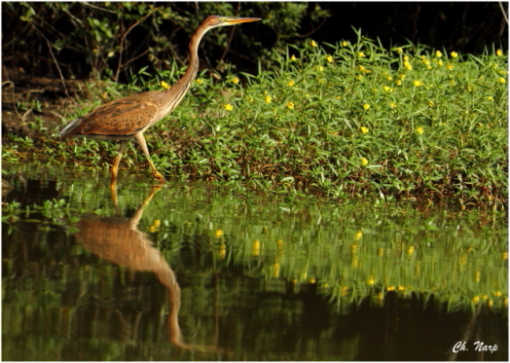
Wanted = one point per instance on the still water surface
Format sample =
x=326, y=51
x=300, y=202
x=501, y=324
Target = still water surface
x=192, y=272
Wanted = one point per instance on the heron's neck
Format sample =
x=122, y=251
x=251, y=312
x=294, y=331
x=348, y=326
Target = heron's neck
x=182, y=86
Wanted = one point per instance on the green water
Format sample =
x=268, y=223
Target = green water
x=203, y=272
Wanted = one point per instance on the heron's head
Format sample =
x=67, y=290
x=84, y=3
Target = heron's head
x=214, y=21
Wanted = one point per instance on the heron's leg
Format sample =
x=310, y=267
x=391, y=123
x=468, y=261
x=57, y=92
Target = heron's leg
x=141, y=141
x=113, y=190
x=115, y=167
x=115, y=171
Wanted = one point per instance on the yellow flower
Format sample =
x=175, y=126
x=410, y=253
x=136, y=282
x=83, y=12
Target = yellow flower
x=255, y=249
x=417, y=83
x=164, y=85
x=499, y=52
x=344, y=43
x=449, y=66
x=291, y=83
x=199, y=81
x=393, y=105
x=454, y=54
x=440, y=62
x=320, y=68
x=267, y=99
x=329, y=59
x=361, y=55
x=408, y=66
x=364, y=130
x=400, y=51
x=389, y=78
x=359, y=234
x=390, y=288
x=431, y=103
x=218, y=233
x=313, y=44
x=290, y=105
x=364, y=70
x=155, y=226
x=235, y=80
x=366, y=106
x=501, y=80
x=293, y=58
x=490, y=98
x=419, y=130
x=387, y=89
x=228, y=107
x=438, y=54
x=398, y=82
x=364, y=162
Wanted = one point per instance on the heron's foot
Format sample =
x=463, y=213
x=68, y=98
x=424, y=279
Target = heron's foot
x=156, y=175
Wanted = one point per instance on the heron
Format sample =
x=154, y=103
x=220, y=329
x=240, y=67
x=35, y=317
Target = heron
x=129, y=117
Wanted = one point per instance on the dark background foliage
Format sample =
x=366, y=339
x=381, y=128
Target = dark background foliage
x=115, y=40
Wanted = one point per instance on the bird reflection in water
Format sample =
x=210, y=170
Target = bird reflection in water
x=118, y=240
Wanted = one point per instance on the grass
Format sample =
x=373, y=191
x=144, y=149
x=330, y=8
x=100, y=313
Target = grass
x=340, y=120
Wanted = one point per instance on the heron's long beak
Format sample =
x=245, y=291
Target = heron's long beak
x=232, y=21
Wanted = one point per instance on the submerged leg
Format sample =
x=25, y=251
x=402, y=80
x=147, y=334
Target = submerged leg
x=141, y=141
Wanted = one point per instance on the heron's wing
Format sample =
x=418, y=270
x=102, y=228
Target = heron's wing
x=121, y=118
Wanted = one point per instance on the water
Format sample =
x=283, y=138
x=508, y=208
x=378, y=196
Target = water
x=196, y=272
